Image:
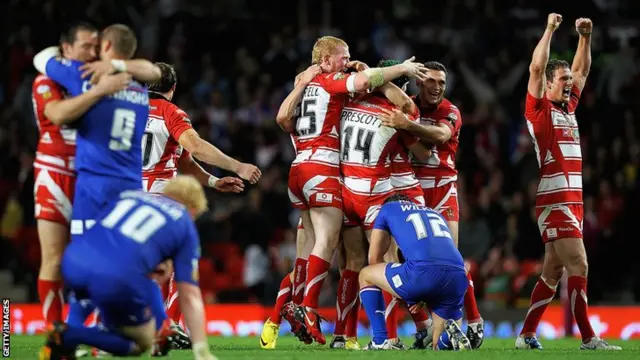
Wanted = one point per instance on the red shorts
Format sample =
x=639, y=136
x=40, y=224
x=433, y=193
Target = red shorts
x=361, y=210
x=154, y=184
x=560, y=221
x=415, y=193
x=443, y=199
x=53, y=192
x=312, y=185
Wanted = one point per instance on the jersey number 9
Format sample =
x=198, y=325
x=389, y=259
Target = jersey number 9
x=122, y=129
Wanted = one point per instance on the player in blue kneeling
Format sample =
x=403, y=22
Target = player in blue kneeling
x=433, y=272
x=112, y=265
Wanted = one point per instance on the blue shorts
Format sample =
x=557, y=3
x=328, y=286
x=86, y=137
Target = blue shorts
x=441, y=287
x=92, y=194
x=122, y=296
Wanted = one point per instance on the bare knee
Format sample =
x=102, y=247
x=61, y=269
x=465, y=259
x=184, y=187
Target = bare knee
x=364, y=278
x=355, y=261
x=577, y=265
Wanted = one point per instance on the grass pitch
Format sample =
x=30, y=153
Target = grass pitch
x=27, y=347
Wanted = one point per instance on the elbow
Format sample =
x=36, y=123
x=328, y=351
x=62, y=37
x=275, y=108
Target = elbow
x=54, y=117
x=285, y=123
x=361, y=83
x=440, y=139
x=536, y=68
x=157, y=73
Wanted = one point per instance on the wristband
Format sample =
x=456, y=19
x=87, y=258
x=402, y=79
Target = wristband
x=119, y=65
x=200, y=350
x=212, y=181
x=375, y=77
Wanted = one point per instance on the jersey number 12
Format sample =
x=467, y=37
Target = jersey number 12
x=122, y=129
x=140, y=223
x=438, y=227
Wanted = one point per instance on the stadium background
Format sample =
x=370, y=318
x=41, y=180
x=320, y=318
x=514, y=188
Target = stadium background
x=236, y=60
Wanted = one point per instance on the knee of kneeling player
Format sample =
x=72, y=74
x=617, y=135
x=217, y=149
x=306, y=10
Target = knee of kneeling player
x=363, y=278
x=143, y=345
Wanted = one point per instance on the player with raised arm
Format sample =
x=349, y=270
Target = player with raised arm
x=367, y=152
x=314, y=179
x=54, y=168
x=440, y=123
x=433, y=272
x=167, y=145
x=552, y=97
x=134, y=234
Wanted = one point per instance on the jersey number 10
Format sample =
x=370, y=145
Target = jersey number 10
x=140, y=223
x=438, y=227
x=122, y=129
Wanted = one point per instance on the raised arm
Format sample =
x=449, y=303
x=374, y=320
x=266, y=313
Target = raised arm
x=287, y=111
x=399, y=98
x=541, y=57
x=582, y=60
x=375, y=77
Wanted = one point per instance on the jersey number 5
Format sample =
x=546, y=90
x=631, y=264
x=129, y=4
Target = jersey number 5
x=438, y=227
x=122, y=128
x=306, y=124
x=140, y=223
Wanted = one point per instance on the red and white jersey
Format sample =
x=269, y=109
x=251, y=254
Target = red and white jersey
x=557, y=143
x=368, y=148
x=160, y=147
x=316, y=137
x=57, y=144
x=402, y=175
x=440, y=169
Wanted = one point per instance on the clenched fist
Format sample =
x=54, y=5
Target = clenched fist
x=554, y=20
x=584, y=26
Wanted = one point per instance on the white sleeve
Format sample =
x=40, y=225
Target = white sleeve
x=42, y=58
x=351, y=83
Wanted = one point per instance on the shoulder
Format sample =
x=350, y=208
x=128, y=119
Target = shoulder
x=43, y=84
x=449, y=109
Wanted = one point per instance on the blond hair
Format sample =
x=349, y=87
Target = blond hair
x=187, y=190
x=325, y=45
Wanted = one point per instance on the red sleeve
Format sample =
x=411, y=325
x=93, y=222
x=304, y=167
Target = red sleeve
x=177, y=122
x=574, y=98
x=337, y=83
x=533, y=107
x=451, y=119
x=45, y=90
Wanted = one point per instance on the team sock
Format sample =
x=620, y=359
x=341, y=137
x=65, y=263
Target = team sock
x=444, y=343
x=317, y=271
x=157, y=306
x=284, y=296
x=79, y=311
x=51, y=299
x=541, y=296
x=577, y=289
x=470, y=306
x=373, y=303
x=346, y=300
x=352, y=320
x=172, y=303
x=391, y=315
x=299, y=279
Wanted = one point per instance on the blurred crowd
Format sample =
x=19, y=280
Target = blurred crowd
x=236, y=61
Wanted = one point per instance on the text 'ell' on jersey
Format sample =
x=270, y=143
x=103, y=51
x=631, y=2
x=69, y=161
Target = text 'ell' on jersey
x=556, y=140
x=421, y=233
x=160, y=148
x=367, y=147
x=110, y=132
x=440, y=169
x=138, y=231
x=316, y=137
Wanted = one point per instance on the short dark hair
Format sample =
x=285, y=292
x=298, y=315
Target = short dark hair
x=397, y=197
x=167, y=81
x=552, y=66
x=434, y=65
x=399, y=82
x=123, y=39
x=70, y=35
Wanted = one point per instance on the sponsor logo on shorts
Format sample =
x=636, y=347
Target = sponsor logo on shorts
x=324, y=198
x=397, y=282
x=552, y=233
x=565, y=229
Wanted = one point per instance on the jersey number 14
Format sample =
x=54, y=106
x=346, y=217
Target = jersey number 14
x=438, y=227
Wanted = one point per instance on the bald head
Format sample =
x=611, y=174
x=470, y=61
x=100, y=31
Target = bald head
x=120, y=39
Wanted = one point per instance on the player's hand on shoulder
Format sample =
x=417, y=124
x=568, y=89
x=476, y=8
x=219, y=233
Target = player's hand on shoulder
x=357, y=65
x=415, y=69
x=305, y=77
x=110, y=84
x=393, y=118
x=96, y=70
x=229, y=184
x=249, y=172
x=554, y=20
x=584, y=26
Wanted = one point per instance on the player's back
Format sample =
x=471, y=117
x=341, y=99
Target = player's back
x=160, y=148
x=316, y=137
x=110, y=132
x=135, y=233
x=420, y=232
x=441, y=166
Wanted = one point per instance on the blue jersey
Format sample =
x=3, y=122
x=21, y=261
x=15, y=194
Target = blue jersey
x=109, y=139
x=135, y=233
x=420, y=232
